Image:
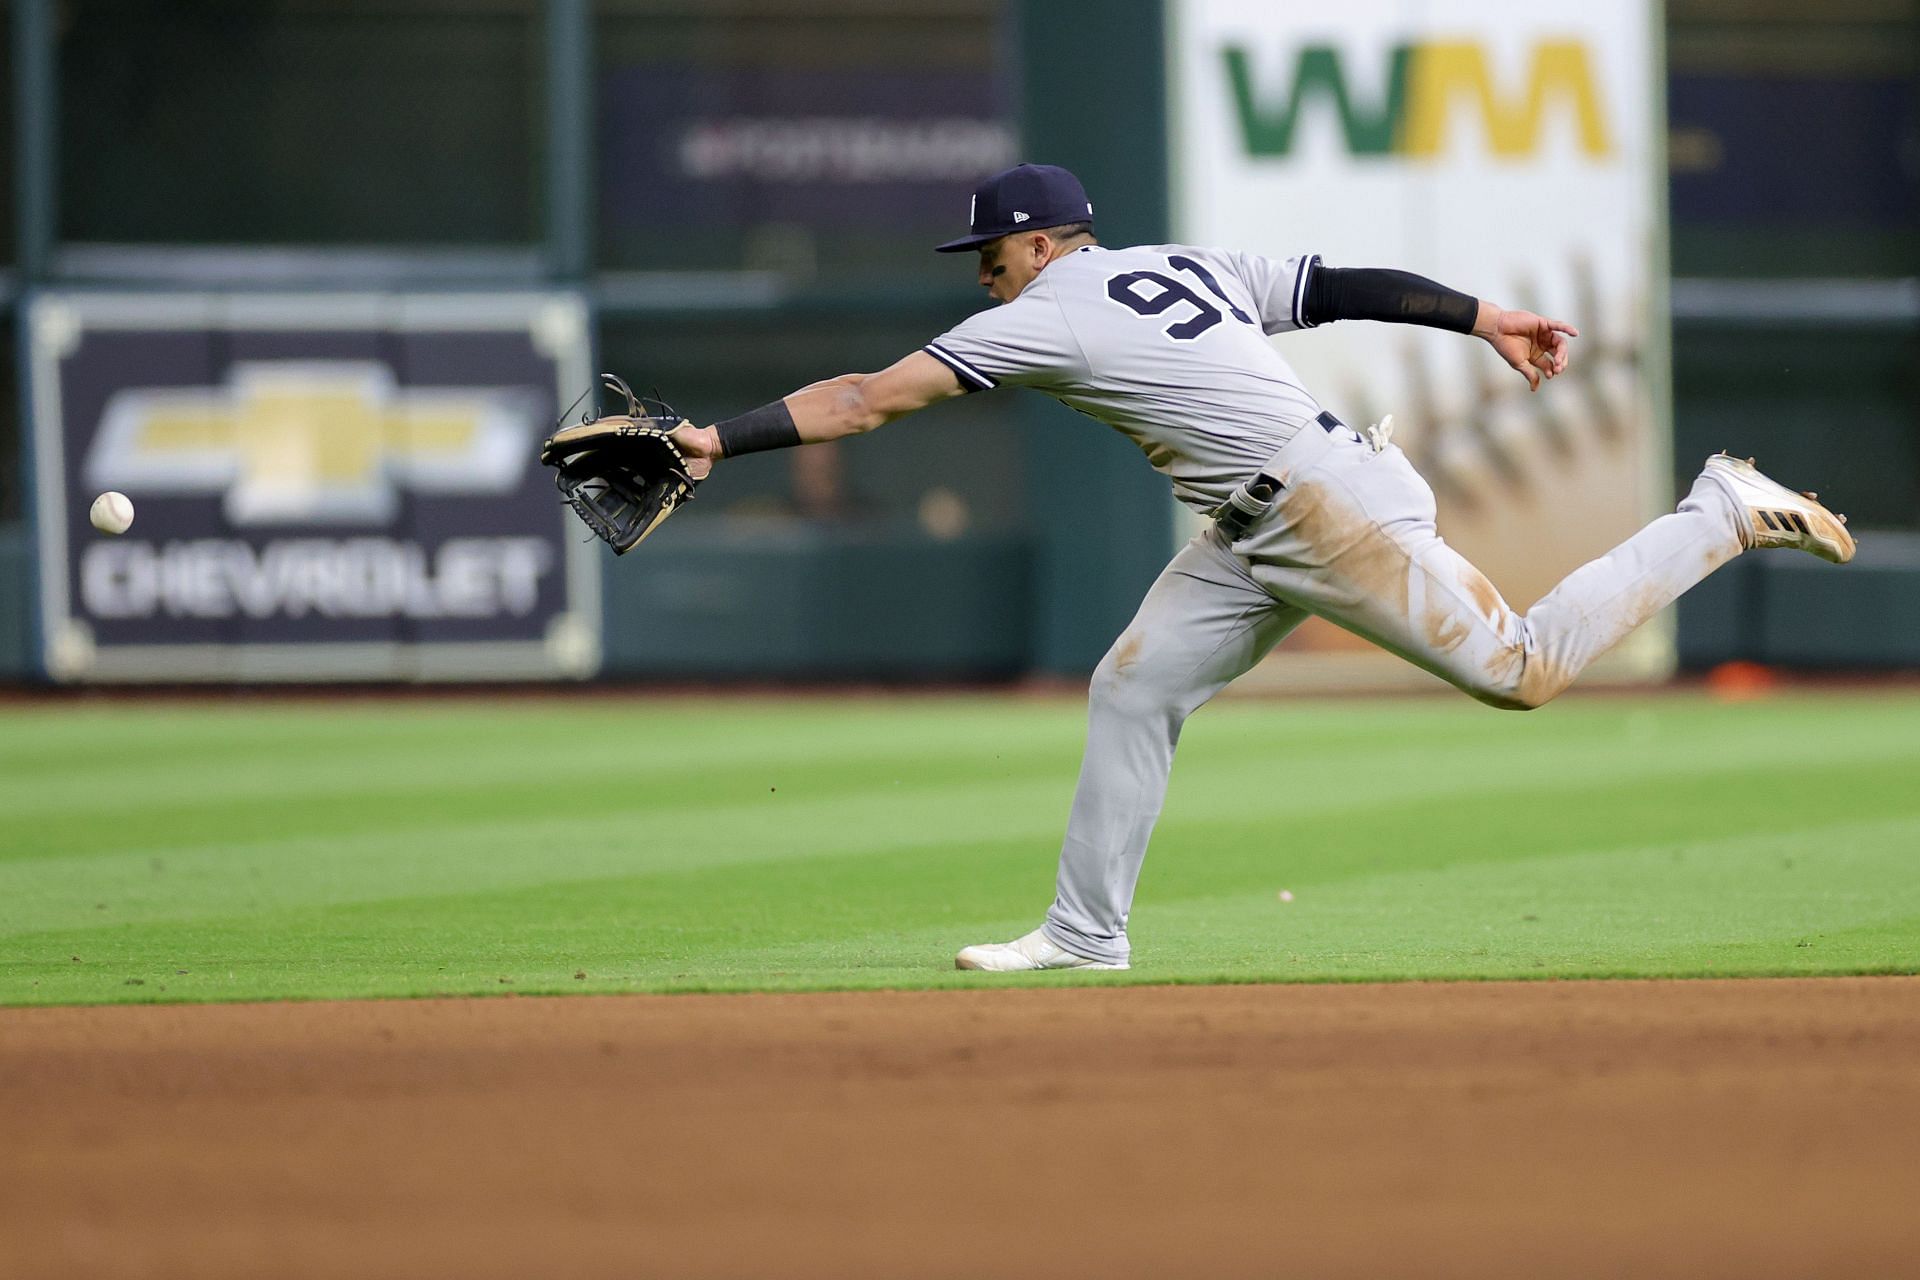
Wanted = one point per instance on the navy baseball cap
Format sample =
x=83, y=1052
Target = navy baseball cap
x=1030, y=196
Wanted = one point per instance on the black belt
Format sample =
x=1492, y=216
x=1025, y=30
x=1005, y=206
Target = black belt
x=1329, y=424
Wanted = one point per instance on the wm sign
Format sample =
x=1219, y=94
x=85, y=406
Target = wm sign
x=1408, y=112
x=1508, y=148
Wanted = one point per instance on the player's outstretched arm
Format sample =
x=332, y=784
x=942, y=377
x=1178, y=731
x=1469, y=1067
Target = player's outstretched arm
x=1534, y=345
x=844, y=406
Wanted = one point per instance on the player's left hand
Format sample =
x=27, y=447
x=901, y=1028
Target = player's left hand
x=624, y=473
x=700, y=445
x=1534, y=345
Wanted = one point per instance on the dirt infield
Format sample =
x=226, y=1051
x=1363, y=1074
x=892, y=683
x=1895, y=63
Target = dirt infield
x=1755, y=1128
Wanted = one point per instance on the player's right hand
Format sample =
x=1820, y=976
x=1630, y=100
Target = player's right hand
x=1534, y=345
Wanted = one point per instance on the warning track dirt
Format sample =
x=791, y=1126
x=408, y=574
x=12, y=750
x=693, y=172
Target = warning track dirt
x=1752, y=1128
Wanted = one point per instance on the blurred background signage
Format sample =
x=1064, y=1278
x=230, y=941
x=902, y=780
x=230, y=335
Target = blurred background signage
x=693, y=148
x=1506, y=150
x=333, y=487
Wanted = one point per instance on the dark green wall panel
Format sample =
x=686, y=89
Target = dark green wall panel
x=1094, y=101
x=788, y=598
x=1824, y=407
x=1791, y=610
x=17, y=659
x=1863, y=614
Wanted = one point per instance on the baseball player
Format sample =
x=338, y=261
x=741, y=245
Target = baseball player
x=1168, y=344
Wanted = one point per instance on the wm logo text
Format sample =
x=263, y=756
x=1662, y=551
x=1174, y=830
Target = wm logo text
x=1408, y=116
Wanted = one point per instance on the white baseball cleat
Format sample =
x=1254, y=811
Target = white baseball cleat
x=1779, y=517
x=1035, y=951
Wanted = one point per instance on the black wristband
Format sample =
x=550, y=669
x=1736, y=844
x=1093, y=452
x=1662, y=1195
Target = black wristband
x=768, y=427
x=1368, y=293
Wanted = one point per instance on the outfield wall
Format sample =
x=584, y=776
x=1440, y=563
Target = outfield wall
x=744, y=200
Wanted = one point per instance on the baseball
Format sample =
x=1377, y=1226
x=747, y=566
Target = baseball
x=112, y=513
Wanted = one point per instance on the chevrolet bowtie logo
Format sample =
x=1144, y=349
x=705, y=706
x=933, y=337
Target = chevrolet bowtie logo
x=313, y=440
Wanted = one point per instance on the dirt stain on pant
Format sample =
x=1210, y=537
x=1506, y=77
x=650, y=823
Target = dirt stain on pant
x=1361, y=562
x=1445, y=627
x=1488, y=600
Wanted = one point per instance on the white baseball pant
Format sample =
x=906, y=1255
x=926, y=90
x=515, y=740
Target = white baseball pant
x=1351, y=538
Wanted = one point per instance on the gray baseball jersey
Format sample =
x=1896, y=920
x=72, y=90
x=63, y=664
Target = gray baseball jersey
x=1164, y=343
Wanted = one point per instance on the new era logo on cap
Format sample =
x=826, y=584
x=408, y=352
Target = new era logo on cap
x=1040, y=195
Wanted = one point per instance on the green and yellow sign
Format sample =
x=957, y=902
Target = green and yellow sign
x=1410, y=113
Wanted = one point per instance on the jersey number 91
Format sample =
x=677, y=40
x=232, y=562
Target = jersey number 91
x=1125, y=289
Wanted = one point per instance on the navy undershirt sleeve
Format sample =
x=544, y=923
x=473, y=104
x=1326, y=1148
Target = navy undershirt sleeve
x=1400, y=297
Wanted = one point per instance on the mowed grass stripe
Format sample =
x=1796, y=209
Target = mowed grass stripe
x=1594, y=913
x=1672, y=908
x=330, y=754
x=222, y=880
x=373, y=784
x=1662, y=909
x=1598, y=913
x=1513, y=822
x=340, y=755
x=1323, y=845
x=854, y=872
x=510, y=757
x=1352, y=817
x=539, y=796
x=694, y=829
x=53, y=759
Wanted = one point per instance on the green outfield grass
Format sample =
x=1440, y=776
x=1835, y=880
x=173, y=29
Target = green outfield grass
x=258, y=849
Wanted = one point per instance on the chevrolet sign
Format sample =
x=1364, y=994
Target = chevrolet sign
x=328, y=488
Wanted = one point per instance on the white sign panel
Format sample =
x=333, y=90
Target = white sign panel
x=1507, y=150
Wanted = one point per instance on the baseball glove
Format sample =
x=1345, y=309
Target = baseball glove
x=621, y=473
